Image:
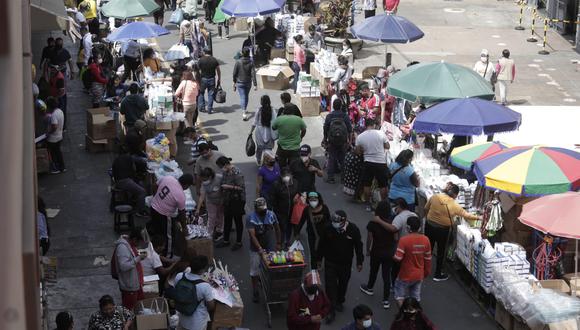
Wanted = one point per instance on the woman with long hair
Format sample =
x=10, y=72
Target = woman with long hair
x=404, y=180
x=411, y=317
x=187, y=92
x=263, y=120
x=316, y=216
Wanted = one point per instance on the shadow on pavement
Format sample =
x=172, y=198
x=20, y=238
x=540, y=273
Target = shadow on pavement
x=214, y=122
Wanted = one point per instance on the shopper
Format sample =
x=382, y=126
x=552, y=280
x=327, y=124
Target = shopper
x=374, y=144
x=195, y=140
x=282, y=196
x=207, y=159
x=210, y=78
x=204, y=295
x=291, y=129
x=506, y=72
x=54, y=136
x=268, y=173
x=186, y=35
x=111, y=316
x=127, y=267
x=126, y=180
x=133, y=106
x=316, y=216
x=381, y=245
x=440, y=210
x=222, y=21
x=98, y=80
x=337, y=130
x=313, y=41
x=305, y=170
x=411, y=317
x=391, y=6
x=414, y=254
x=308, y=305
x=363, y=319
x=299, y=60
x=287, y=106
x=338, y=244
x=158, y=14
x=264, y=234
x=42, y=226
x=234, y=197
x=244, y=78
x=187, y=93
x=485, y=69
x=211, y=196
x=64, y=321
x=369, y=7
x=264, y=134
x=404, y=179
x=347, y=52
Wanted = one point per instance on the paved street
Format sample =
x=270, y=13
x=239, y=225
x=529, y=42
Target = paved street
x=455, y=31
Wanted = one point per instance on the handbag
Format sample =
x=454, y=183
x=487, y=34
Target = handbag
x=176, y=16
x=220, y=95
x=250, y=146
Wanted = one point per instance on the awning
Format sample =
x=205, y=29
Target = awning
x=48, y=15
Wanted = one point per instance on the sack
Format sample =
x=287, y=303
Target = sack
x=337, y=133
x=114, y=271
x=297, y=211
x=220, y=95
x=250, y=146
x=184, y=294
x=176, y=16
x=86, y=77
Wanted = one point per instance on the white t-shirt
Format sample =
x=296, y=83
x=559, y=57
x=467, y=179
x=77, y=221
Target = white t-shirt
x=373, y=143
x=152, y=262
x=341, y=77
x=400, y=221
x=56, y=118
x=199, y=319
x=369, y=4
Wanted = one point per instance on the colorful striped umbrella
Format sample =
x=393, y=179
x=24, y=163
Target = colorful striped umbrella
x=530, y=170
x=463, y=157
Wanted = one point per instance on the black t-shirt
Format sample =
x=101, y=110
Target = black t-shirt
x=124, y=167
x=383, y=210
x=59, y=57
x=384, y=243
x=305, y=179
x=207, y=66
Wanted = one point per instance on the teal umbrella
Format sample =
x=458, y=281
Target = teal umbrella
x=439, y=81
x=219, y=16
x=124, y=9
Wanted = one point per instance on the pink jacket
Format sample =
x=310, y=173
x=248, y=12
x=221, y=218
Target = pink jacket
x=299, y=55
x=187, y=91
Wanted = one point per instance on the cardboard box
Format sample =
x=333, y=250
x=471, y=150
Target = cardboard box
x=309, y=106
x=42, y=160
x=158, y=320
x=163, y=125
x=289, y=54
x=557, y=285
x=275, y=77
x=101, y=124
x=228, y=317
x=277, y=53
x=519, y=324
x=324, y=82
x=94, y=146
x=202, y=246
x=151, y=286
x=503, y=317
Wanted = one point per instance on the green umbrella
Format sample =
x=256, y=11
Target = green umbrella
x=124, y=9
x=434, y=82
x=219, y=16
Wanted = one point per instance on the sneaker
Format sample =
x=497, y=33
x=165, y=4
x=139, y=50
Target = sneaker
x=440, y=278
x=245, y=116
x=222, y=244
x=209, y=112
x=63, y=170
x=364, y=288
x=386, y=304
x=227, y=37
x=218, y=237
x=330, y=318
x=55, y=172
x=236, y=246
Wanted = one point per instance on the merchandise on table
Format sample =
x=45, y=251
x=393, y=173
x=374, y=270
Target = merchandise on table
x=308, y=86
x=280, y=258
x=326, y=63
x=160, y=97
x=157, y=149
x=170, y=168
x=225, y=286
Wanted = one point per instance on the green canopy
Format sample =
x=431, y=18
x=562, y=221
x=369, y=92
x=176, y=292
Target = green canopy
x=219, y=16
x=124, y=9
x=434, y=82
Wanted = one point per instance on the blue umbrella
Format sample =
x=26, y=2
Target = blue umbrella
x=467, y=117
x=251, y=8
x=137, y=30
x=387, y=28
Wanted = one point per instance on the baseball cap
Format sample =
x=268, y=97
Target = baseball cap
x=260, y=203
x=305, y=150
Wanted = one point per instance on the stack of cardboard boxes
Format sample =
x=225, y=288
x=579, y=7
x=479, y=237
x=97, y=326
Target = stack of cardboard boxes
x=101, y=130
x=308, y=93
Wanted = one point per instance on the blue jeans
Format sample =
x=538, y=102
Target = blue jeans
x=404, y=289
x=296, y=68
x=244, y=91
x=209, y=85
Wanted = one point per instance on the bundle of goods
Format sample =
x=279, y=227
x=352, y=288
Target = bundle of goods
x=289, y=24
x=157, y=149
x=168, y=168
x=326, y=63
x=308, y=86
x=197, y=231
x=160, y=97
x=480, y=258
x=280, y=258
x=226, y=288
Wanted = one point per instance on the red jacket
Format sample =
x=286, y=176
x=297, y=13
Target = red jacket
x=97, y=73
x=300, y=309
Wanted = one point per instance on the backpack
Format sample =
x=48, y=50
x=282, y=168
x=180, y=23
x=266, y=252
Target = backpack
x=114, y=271
x=184, y=294
x=337, y=133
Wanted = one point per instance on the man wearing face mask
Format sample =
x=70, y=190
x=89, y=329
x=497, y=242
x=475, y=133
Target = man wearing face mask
x=363, y=319
x=307, y=305
x=305, y=170
x=282, y=196
x=338, y=243
x=485, y=69
x=264, y=232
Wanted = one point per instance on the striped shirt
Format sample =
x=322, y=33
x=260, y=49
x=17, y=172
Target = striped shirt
x=195, y=148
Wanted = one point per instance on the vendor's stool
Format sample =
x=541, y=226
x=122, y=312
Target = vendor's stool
x=123, y=217
x=118, y=197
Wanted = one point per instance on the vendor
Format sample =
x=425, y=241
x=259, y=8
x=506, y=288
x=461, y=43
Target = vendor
x=441, y=209
x=133, y=106
x=313, y=41
x=168, y=201
x=347, y=52
x=265, y=40
x=151, y=61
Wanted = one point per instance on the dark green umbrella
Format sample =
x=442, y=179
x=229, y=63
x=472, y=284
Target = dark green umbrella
x=434, y=82
x=124, y=9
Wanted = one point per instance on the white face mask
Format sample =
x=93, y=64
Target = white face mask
x=484, y=59
x=336, y=225
x=100, y=60
x=313, y=204
x=311, y=297
x=344, y=47
x=304, y=158
x=286, y=179
x=367, y=323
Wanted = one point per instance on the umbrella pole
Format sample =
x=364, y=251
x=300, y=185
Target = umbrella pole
x=387, y=56
x=576, y=260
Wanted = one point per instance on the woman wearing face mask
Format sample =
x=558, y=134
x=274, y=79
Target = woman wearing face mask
x=299, y=60
x=234, y=195
x=485, y=69
x=211, y=196
x=347, y=52
x=262, y=126
x=411, y=317
x=283, y=194
x=268, y=173
x=308, y=305
x=316, y=216
x=99, y=81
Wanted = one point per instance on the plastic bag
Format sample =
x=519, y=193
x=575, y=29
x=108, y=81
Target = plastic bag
x=250, y=146
x=176, y=16
x=220, y=95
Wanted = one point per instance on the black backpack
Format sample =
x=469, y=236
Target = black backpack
x=337, y=132
x=184, y=294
